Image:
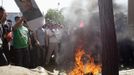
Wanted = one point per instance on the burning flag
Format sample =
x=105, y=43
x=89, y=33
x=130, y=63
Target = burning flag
x=82, y=68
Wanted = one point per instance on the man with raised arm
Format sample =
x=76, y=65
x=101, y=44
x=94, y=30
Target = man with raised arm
x=20, y=42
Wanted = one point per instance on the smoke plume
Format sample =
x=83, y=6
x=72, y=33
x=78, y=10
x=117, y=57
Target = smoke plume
x=82, y=29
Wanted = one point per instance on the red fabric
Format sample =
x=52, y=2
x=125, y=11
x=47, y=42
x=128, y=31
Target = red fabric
x=9, y=36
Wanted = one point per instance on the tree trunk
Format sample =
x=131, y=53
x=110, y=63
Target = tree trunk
x=131, y=18
x=108, y=35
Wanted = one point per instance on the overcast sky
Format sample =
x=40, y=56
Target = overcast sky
x=44, y=5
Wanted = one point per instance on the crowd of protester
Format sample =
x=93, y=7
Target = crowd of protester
x=21, y=46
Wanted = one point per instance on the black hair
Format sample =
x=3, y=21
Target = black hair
x=8, y=20
x=16, y=17
x=2, y=9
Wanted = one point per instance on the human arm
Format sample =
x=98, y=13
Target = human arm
x=37, y=43
x=18, y=23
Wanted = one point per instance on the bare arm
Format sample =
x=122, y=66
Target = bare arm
x=36, y=38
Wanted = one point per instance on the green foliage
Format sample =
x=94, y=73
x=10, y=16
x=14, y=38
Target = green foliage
x=54, y=16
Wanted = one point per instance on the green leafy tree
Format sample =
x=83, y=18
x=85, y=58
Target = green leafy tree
x=54, y=16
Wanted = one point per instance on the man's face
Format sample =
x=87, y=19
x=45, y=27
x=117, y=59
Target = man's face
x=9, y=22
x=17, y=19
x=1, y=14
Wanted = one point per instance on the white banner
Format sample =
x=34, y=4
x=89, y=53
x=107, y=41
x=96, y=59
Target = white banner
x=36, y=23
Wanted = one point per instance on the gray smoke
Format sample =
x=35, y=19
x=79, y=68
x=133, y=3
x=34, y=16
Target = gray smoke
x=79, y=10
x=88, y=36
x=84, y=12
x=121, y=20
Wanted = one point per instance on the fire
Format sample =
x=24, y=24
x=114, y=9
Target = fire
x=82, y=69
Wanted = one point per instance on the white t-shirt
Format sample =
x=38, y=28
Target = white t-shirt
x=58, y=33
x=52, y=36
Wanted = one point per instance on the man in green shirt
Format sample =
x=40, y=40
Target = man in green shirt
x=20, y=43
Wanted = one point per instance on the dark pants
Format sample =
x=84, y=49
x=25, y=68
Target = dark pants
x=6, y=51
x=42, y=55
x=40, y=52
x=53, y=48
x=34, y=56
x=22, y=57
x=2, y=58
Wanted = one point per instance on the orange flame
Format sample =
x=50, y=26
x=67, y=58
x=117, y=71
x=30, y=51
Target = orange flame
x=81, y=68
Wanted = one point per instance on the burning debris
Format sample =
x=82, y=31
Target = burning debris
x=84, y=68
x=89, y=74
